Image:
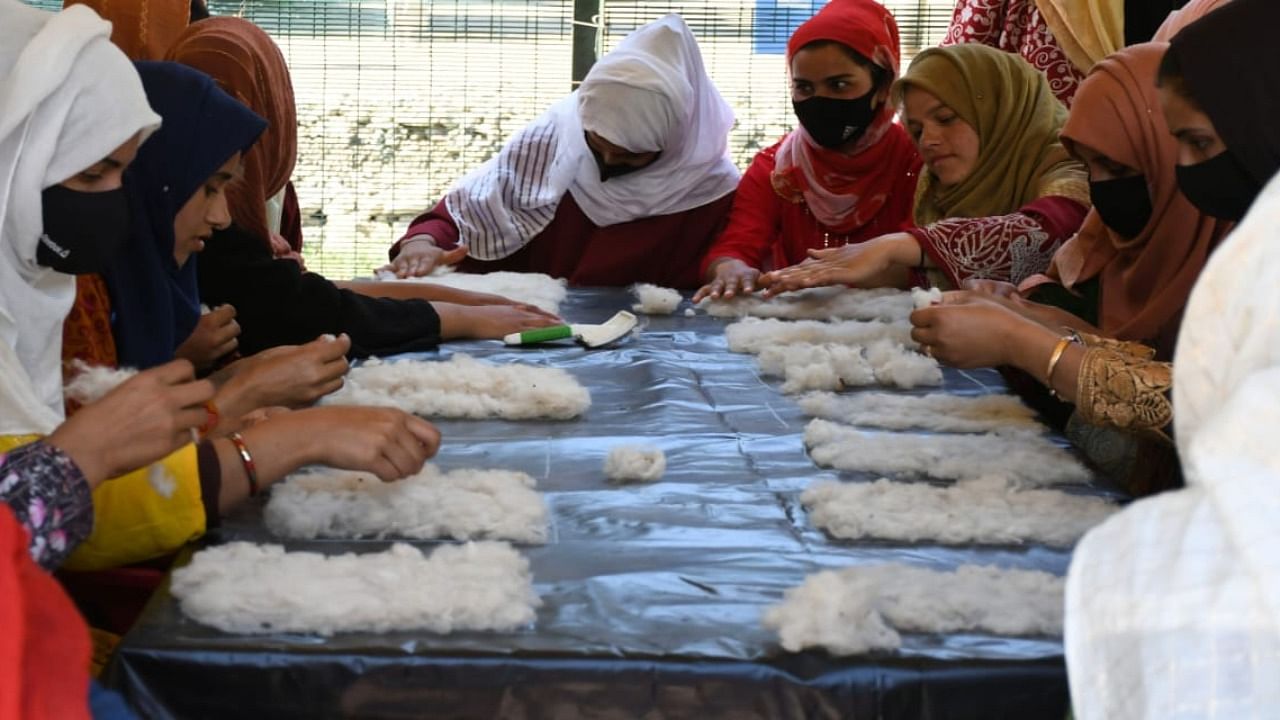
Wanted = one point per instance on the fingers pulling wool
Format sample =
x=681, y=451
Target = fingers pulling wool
x=250, y=589
x=753, y=335
x=462, y=505
x=987, y=511
x=635, y=463
x=885, y=304
x=541, y=291
x=922, y=298
x=655, y=300
x=939, y=412
x=1020, y=457
x=863, y=608
x=92, y=382
x=462, y=387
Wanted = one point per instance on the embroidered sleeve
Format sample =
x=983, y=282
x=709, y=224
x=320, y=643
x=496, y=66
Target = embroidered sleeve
x=1005, y=247
x=1124, y=390
x=50, y=497
x=1126, y=347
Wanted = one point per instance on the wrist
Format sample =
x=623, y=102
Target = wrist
x=421, y=238
x=902, y=249
x=93, y=465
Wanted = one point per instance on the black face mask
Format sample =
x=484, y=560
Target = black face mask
x=83, y=231
x=1123, y=203
x=832, y=122
x=1219, y=186
x=611, y=171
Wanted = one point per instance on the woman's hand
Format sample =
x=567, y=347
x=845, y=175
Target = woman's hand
x=728, y=277
x=293, y=376
x=966, y=331
x=994, y=288
x=216, y=335
x=143, y=420
x=387, y=442
x=860, y=265
x=488, y=322
x=419, y=256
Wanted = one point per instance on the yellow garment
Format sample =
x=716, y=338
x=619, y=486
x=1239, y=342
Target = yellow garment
x=132, y=521
x=1009, y=105
x=1086, y=30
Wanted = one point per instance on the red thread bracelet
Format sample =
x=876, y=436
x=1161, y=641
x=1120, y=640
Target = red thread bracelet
x=250, y=470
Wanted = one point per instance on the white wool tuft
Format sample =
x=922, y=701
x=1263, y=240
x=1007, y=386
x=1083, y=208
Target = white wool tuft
x=752, y=335
x=922, y=298
x=463, y=387
x=635, y=463
x=863, y=608
x=987, y=511
x=255, y=589
x=833, y=303
x=91, y=382
x=462, y=505
x=655, y=300
x=1018, y=456
x=939, y=412
x=805, y=366
x=161, y=481
x=542, y=291
x=690, y=312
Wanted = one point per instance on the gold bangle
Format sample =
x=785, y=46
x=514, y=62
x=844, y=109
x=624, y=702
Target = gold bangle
x=1054, y=357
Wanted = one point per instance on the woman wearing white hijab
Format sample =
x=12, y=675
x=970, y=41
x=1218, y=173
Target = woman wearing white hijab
x=1173, y=606
x=628, y=179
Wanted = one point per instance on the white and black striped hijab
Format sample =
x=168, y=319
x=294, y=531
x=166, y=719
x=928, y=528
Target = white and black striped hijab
x=651, y=93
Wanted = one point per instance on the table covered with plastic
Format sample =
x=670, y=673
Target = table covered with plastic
x=652, y=594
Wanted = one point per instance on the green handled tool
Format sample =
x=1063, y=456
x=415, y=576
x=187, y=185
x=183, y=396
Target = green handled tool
x=590, y=335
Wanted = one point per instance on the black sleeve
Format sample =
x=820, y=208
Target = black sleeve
x=278, y=304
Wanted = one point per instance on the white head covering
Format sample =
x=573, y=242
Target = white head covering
x=1173, y=606
x=650, y=94
x=68, y=97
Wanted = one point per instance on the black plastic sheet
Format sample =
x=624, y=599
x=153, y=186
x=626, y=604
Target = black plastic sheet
x=652, y=593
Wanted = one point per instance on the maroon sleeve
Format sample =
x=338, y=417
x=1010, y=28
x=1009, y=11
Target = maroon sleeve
x=436, y=222
x=754, y=221
x=1003, y=247
x=291, y=218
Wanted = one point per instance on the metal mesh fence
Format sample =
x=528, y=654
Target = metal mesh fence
x=398, y=98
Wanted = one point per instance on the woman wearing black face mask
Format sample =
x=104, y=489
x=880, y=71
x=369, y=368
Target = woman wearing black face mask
x=1127, y=275
x=845, y=175
x=1220, y=90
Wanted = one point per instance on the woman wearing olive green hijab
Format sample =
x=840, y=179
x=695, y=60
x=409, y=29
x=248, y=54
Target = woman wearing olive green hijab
x=1000, y=193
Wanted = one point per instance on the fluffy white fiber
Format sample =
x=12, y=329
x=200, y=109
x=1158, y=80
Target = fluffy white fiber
x=864, y=608
x=833, y=303
x=752, y=335
x=542, y=291
x=463, y=387
x=987, y=511
x=1021, y=457
x=253, y=589
x=91, y=382
x=922, y=298
x=161, y=481
x=806, y=366
x=462, y=505
x=939, y=412
x=655, y=300
x=635, y=463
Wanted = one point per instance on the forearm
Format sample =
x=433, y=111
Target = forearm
x=454, y=323
x=277, y=447
x=50, y=497
x=412, y=291
x=1031, y=348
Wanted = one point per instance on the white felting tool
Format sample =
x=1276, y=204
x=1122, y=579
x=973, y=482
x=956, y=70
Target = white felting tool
x=590, y=335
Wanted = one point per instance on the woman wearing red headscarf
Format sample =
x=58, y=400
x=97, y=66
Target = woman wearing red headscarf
x=845, y=175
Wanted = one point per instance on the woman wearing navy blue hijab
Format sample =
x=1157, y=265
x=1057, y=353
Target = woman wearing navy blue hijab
x=154, y=294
